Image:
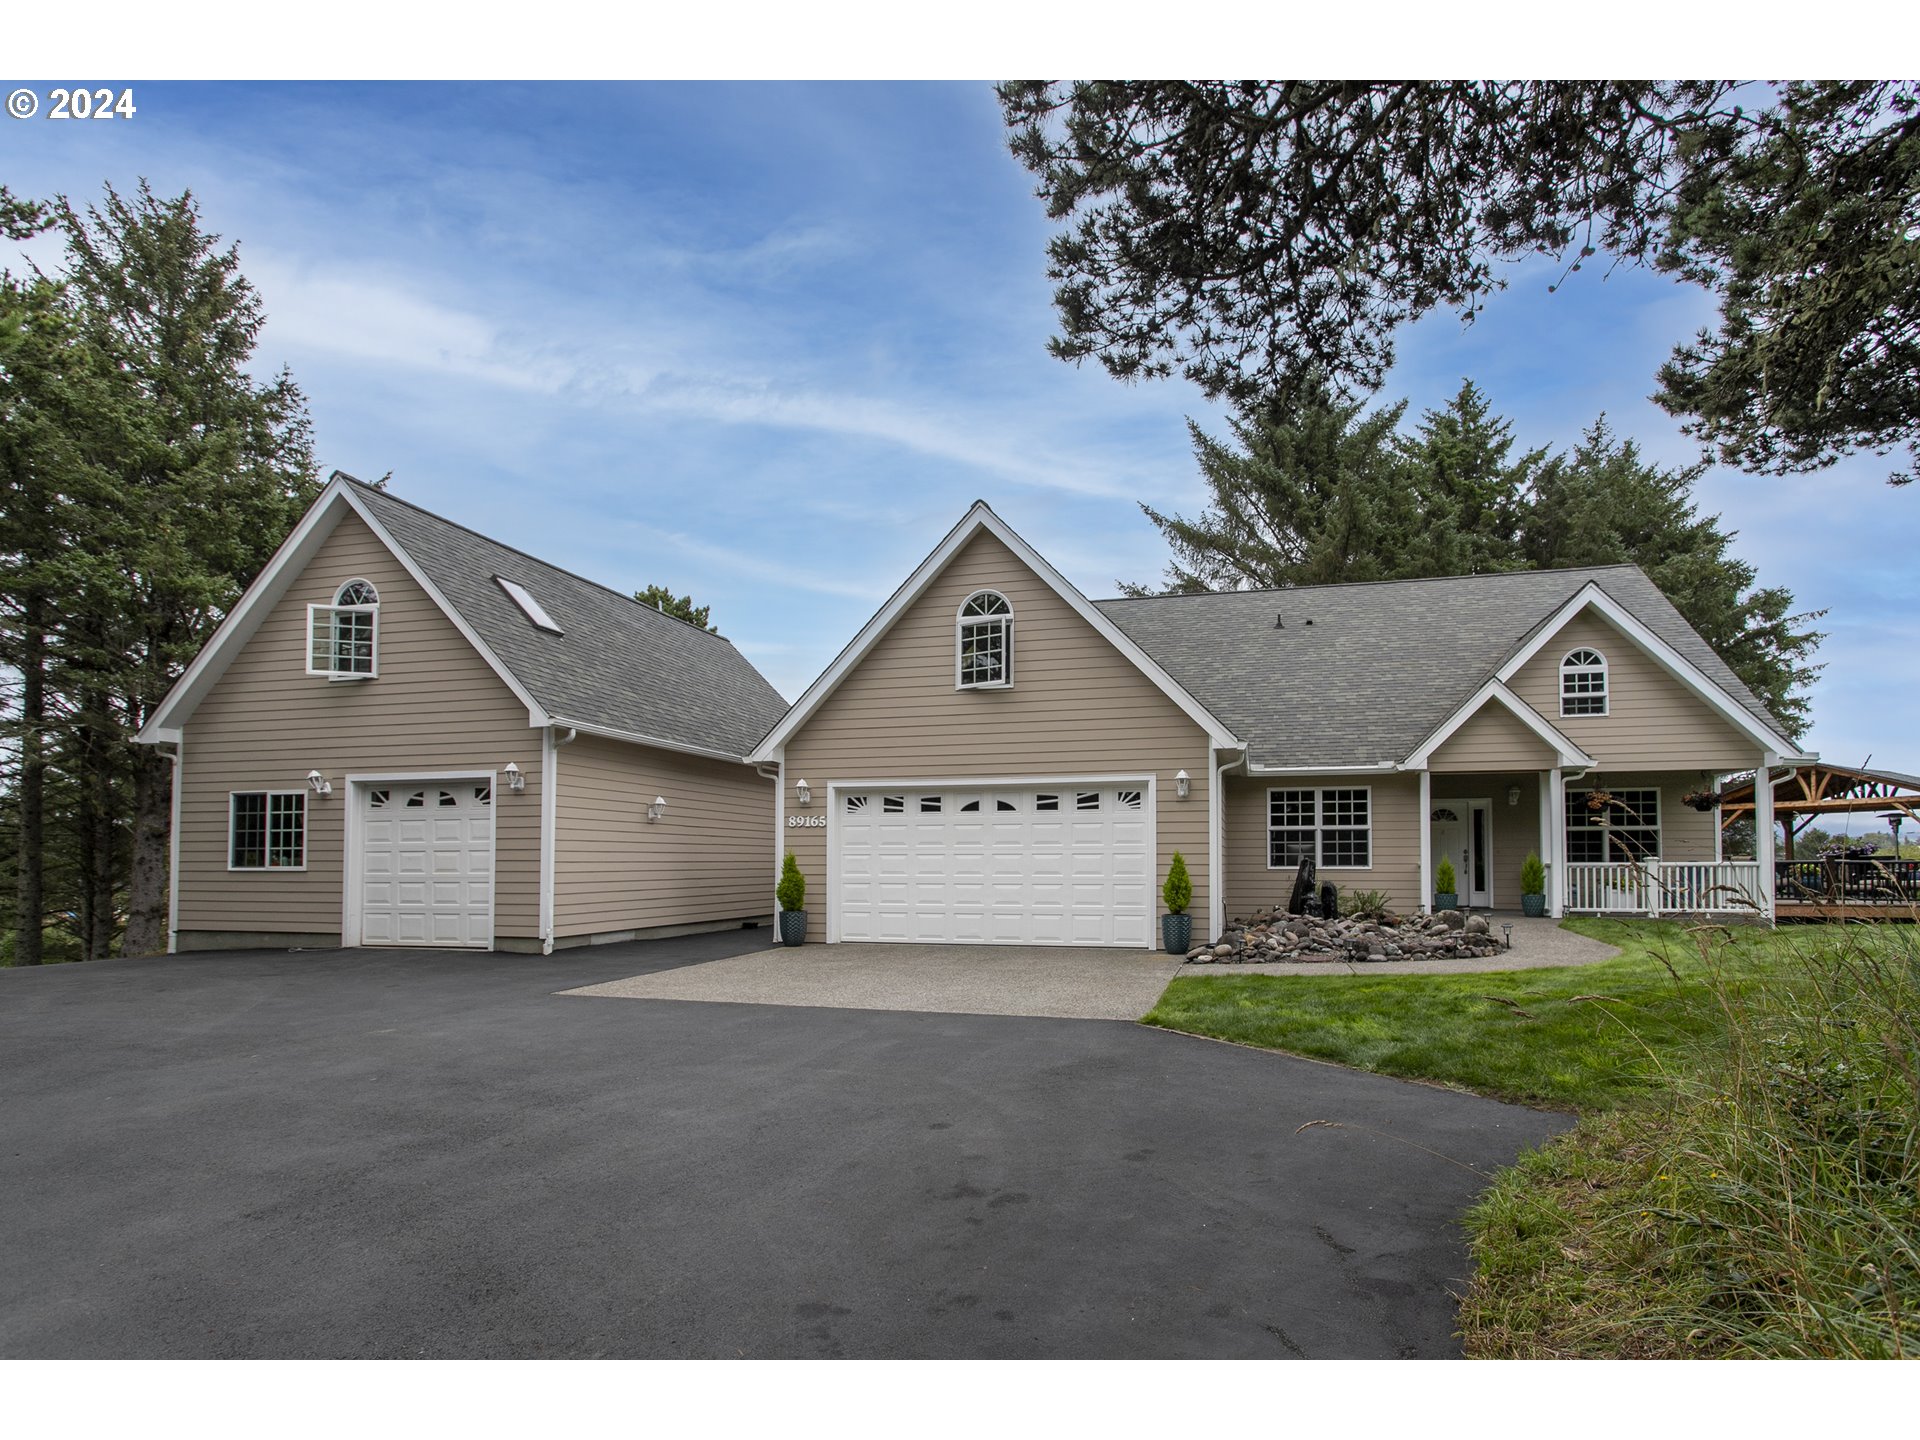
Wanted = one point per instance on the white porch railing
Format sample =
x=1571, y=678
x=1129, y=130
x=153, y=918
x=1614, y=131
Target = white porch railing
x=1654, y=887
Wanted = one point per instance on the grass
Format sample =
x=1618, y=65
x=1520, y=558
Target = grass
x=1573, y=1039
x=1745, y=1180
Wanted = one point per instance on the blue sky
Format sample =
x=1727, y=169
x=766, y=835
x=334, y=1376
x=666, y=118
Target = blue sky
x=765, y=343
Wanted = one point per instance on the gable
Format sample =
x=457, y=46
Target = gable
x=426, y=666
x=1653, y=719
x=1494, y=739
x=1069, y=680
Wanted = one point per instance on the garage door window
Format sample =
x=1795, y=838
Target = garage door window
x=267, y=830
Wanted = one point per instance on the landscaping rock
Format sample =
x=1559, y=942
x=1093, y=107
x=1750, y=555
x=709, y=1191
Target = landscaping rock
x=1477, y=925
x=1371, y=940
x=1453, y=919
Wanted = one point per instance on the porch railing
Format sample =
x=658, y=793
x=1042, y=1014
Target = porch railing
x=1847, y=882
x=1655, y=887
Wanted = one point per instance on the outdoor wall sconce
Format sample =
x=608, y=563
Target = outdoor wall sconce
x=1513, y=794
x=657, y=808
x=319, y=783
x=1182, y=784
x=516, y=781
x=804, y=791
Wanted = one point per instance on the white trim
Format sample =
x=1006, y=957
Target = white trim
x=1149, y=783
x=350, y=907
x=977, y=519
x=1216, y=804
x=1564, y=749
x=780, y=829
x=632, y=737
x=1426, y=842
x=1606, y=683
x=1557, y=843
x=1005, y=620
x=271, y=585
x=1543, y=834
x=1319, y=827
x=1379, y=767
x=266, y=832
x=173, y=846
x=1763, y=846
x=1682, y=669
x=1659, y=827
x=333, y=610
x=549, y=814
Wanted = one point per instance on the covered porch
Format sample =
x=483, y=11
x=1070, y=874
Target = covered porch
x=1861, y=882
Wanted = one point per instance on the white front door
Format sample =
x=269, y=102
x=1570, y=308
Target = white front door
x=1459, y=832
x=1068, y=864
x=426, y=864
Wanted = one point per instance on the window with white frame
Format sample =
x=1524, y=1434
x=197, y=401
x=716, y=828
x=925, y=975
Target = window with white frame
x=1583, y=683
x=1620, y=825
x=983, y=645
x=343, y=638
x=1332, y=827
x=267, y=830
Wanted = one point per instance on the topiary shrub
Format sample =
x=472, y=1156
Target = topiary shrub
x=1445, y=882
x=1533, y=875
x=791, y=892
x=1178, y=891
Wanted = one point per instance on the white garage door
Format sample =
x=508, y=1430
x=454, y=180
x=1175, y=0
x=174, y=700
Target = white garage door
x=426, y=864
x=1064, y=865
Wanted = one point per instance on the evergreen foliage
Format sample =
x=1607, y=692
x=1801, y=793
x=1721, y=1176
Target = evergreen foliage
x=1444, y=879
x=681, y=606
x=791, y=892
x=1533, y=875
x=1178, y=891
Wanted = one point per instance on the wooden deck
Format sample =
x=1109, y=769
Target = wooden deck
x=1823, y=911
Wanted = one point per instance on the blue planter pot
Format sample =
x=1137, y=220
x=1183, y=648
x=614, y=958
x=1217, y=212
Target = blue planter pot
x=1534, y=905
x=793, y=927
x=1176, y=933
x=1446, y=900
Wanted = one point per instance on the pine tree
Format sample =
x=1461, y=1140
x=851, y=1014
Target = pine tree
x=679, y=606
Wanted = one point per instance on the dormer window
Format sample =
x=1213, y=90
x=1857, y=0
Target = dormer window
x=343, y=639
x=1583, y=683
x=983, y=646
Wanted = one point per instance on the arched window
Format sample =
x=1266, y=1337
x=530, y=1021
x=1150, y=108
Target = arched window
x=1583, y=683
x=343, y=638
x=983, y=647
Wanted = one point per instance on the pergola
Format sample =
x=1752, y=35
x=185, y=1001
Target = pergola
x=1823, y=789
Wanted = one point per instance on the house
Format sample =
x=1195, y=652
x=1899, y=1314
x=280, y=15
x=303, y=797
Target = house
x=405, y=733
x=997, y=759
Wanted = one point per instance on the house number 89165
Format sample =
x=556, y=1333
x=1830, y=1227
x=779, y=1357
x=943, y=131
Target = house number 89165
x=806, y=822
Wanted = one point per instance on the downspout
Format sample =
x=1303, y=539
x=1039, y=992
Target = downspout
x=173, y=847
x=550, y=743
x=1216, y=829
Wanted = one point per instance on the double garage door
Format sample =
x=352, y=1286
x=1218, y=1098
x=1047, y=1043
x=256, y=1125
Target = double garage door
x=426, y=864
x=1060, y=865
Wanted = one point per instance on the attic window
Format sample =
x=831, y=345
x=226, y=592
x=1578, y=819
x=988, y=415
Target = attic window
x=529, y=606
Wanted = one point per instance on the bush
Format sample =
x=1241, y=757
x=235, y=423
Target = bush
x=1533, y=875
x=1444, y=880
x=791, y=892
x=1178, y=891
x=1363, y=904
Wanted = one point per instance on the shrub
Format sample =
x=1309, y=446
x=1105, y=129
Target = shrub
x=1533, y=875
x=1445, y=882
x=1363, y=904
x=1178, y=891
x=791, y=892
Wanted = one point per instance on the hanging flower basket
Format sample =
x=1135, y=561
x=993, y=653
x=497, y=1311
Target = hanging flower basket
x=1599, y=799
x=1701, y=800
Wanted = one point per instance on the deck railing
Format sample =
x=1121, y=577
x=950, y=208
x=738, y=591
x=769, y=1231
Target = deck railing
x=1655, y=887
x=1847, y=882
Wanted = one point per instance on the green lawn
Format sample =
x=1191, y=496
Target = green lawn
x=1587, y=1037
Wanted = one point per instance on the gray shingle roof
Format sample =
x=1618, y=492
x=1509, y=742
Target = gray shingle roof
x=1382, y=664
x=620, y=664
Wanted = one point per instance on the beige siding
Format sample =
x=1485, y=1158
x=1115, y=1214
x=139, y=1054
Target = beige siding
x=435, y=706
x=707, y=859
x=1495, y=738
x=1253, y=885
x=1077, y=706
x=1653, y=721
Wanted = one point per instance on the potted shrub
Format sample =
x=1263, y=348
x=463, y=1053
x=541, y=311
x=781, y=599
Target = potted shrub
x=1533, y=885
x=791, y=892
x=1176, y=926
x=1446, y=895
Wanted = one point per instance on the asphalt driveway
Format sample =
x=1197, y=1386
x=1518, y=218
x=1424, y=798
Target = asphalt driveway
x=390, y=1154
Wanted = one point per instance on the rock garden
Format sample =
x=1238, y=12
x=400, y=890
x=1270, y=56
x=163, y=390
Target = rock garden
x=1375, y=939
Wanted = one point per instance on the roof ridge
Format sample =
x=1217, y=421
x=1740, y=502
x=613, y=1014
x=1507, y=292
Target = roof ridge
x=638, y=604
x=1358, y=584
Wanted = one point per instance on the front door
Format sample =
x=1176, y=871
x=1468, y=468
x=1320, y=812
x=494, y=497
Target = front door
x=1459, y=833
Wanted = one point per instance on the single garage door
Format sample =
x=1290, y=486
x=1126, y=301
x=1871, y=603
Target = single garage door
x=426, y=858
x=1064, y=865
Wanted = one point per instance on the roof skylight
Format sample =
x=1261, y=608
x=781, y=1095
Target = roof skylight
x=534, y=610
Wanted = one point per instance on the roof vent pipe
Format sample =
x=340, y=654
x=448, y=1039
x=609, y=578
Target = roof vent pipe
x=1279, y=622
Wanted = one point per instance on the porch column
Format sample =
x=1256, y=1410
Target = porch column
x=1763, y=833
x=1554, y=802
x=1426, y=842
